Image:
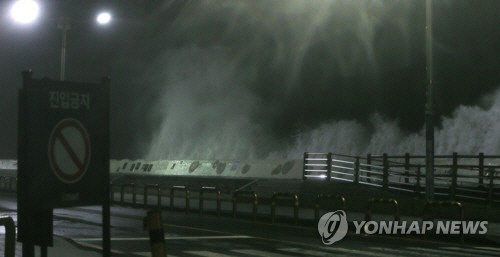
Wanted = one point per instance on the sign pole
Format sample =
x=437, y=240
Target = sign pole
x=429, y=112
x=106, y=213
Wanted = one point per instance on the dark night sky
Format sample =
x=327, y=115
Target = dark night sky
x=266, y=71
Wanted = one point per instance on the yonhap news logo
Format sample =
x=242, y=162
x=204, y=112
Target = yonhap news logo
x=333, y=227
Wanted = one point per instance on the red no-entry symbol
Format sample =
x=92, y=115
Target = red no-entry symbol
x=69, y=150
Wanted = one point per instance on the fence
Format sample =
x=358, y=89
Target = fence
x=470, y=177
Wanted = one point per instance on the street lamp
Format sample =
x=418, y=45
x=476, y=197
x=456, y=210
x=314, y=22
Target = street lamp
x=64, y=25
x=27, y=11
x=103, y=18
x=24, y=11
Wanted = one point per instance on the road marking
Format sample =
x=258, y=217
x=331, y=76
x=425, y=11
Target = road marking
x=488, y=248
x=166, y=238
x=357, y=252
x=437, y=251
x=306, y=252
x=403, y=252
x=255, y=237
x=148, y=254
x=259, y=253
x=95, y=247
x=207, y=254
x=493, y=252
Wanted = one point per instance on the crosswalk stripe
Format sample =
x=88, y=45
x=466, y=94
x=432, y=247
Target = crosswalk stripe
x=357, y=252
x=259, y=253
x=402, y=252
x=473, y=251
x=437, y=251
x=307, y=252
x=207, y=254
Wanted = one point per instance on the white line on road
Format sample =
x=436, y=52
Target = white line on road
x=488, y=248
x=208, y=254
x=148, y=254
x=443, y=252
x=259, y=253
x=166, y=238
x=306, y=252
x=403, y=252
x=357, y=252
x=492, y=252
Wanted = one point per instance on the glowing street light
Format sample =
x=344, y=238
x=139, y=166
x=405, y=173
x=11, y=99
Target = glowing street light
x=24, y=11
x=103, y=18
x=27, y=11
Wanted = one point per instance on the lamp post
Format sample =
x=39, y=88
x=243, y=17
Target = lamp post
x=429, y=107
x=27, y=11
x=64, y=25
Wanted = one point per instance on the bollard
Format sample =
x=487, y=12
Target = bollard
x=122, y=197
x=368, y=214
x=327, y=197
x=181, y=188
x=254, y=202
x=156, y=235
x=430, y=205
x=295, y=199
x=158, y=194
x=10, y=236
x=212, y=189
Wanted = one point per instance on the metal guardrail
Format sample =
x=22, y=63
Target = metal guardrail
x=429, y=215
x=320, y=197
x=122, y=192
x=218, y=200
x=186, y=196
x=372, y=201
x=8, y=183
x=10, y=236
x=254, y=200
x=156, y=187
x=456, y=177
x=292, y=196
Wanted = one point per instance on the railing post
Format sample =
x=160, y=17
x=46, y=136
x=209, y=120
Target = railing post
x=304, y=167
x=146, y=193
x=417, y=186
x=356, y=170
x=186, y=196
x=111, y=193
x=385, y=179
x=122, y=193
x=491, y=175
x=217, y=192
x=328, y=166
x=454, y=169
x=481, y=169
x=369, y=168
x=407, y=168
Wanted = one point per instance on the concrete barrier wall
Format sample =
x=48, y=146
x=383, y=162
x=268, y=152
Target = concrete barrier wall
x=275, y=169
x=8, y=164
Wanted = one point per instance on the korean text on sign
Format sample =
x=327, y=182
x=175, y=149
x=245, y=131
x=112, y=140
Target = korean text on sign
x=68, y=100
